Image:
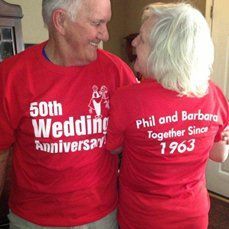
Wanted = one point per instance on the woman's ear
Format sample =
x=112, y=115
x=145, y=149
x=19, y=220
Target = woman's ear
x=58, y=17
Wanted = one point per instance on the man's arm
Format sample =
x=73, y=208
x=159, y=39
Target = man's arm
x=4, y=155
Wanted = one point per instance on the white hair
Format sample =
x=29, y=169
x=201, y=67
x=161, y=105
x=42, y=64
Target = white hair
x=48, y=6
x=182, y=51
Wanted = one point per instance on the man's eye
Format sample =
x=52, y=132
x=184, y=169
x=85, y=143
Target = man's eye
x=96, y=23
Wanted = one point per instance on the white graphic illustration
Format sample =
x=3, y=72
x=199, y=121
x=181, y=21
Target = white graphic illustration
x=98, y=98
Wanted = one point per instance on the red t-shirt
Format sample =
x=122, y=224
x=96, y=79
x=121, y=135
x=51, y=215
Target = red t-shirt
x=166, y=139
x=56, y=117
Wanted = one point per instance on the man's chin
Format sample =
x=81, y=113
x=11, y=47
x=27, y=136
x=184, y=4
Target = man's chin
x=93, y=57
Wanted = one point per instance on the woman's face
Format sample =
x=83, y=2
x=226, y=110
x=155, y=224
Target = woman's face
x=142, y=45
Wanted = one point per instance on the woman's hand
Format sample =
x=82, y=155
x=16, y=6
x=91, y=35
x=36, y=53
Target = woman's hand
x=225, y=135
x=219, y=151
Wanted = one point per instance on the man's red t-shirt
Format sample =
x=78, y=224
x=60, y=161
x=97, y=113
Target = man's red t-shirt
x=56, y=119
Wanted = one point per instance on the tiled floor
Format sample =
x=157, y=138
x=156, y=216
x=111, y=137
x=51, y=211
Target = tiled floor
x=219, y=214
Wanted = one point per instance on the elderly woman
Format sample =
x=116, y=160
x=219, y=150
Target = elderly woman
x=169, y=124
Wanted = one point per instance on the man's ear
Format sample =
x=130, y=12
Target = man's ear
x=58, y=17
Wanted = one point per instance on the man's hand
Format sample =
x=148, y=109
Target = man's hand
x=4, y=155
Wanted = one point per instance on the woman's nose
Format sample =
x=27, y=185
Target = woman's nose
x=135, y=41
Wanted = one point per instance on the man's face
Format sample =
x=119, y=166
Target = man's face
x=89, y=28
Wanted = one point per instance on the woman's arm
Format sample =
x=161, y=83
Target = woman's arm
x=219, y=151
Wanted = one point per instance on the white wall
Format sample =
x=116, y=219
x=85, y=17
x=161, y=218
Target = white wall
x=32, y=24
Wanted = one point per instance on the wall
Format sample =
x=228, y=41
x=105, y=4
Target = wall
x=126, y=20
x=32, y=24
x=116, y=27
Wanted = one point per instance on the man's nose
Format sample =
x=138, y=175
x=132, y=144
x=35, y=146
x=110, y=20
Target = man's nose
x=104, y=34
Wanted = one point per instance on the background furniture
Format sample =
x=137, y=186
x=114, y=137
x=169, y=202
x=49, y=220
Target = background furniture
x=11, y=43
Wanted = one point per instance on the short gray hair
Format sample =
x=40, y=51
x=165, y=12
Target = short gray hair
x=48, y=6
x=182, y=51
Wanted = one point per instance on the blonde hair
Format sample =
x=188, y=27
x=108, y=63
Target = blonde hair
x=182, y=51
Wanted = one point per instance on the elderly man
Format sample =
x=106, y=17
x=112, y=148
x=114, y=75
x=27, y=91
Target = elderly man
x=54, y=104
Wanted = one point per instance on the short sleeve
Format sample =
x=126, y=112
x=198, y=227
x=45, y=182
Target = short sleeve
x=6, y=130
x=117, y=122
x=127, y=77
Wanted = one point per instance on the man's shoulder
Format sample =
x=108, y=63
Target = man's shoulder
x=117, y=70
x=110, y=58
x=20, y=58
x=129, y=90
